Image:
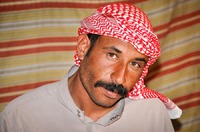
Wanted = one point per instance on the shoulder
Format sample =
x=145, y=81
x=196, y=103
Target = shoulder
x=146, y=107
x=151, y=102
x=150, y=113
x=31, y=97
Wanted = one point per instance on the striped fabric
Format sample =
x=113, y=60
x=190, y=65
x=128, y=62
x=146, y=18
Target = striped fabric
x=38, y=40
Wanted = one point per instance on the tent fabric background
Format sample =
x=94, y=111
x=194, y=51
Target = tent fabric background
x=38, y=41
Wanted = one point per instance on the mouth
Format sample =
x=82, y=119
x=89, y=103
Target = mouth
x=111, y=95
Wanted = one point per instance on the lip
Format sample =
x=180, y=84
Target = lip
x=111, y=95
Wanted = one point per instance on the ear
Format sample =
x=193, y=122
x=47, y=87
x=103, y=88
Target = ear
x=83, y=44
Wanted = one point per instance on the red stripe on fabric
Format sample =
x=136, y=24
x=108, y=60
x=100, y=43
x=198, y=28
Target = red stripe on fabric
x=11, y=0
x=8, y=98
x=176, y=60
x=151, y=74
x=178, y=27
x=190, y=105
x=37, y=50
x=59, y=5
x=23, y=87
x=36, y=41
x=19, y=88
x=184, y=57
x=186, y=97
x=177, y=19
x=171, y=70
x=173, y=61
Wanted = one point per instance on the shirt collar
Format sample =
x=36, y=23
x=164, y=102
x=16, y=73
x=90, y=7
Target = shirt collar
x=113, y=115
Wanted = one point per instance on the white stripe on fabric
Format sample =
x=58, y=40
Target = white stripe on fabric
x=38, y=23
x=34, y=68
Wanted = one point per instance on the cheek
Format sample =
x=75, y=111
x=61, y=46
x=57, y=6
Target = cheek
x=94, y=70
x=100, y=67
x=132, y=79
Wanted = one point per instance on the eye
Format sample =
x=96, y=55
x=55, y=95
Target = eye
x=112, y=56
x=135, y=64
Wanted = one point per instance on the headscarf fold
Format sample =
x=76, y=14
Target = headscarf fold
x=130, y=24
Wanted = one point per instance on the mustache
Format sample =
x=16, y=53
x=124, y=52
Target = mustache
x=113, y=87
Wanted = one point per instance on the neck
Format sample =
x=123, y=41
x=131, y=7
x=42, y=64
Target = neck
x=83, y=100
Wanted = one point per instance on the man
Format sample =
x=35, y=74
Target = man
x=105, y=90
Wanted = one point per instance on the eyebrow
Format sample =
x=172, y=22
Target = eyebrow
x=141, y=59
x=119, y=51
x=113, y=48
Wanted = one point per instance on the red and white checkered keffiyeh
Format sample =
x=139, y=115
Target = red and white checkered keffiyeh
x=130, y=24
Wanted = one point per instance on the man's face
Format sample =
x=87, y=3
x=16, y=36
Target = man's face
x=111, y=70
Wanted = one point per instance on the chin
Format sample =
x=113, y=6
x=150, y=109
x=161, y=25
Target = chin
x=108, y=103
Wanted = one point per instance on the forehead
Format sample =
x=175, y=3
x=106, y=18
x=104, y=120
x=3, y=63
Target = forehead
x=125, y=47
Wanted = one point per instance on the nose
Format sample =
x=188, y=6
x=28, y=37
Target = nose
x=119, y=74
